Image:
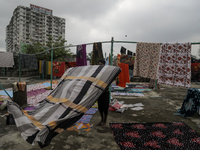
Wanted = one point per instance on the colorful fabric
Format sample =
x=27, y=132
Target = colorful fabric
x=2, y=92
x=3, y=97
x=91, y=111
x=58, y=68
x=175, y=135
x=83, y=127
x=146, y=60
x=175, y=64
x=6, y=59
x=78, y=90
x=97, y=53
x=126, y=94
x=191, y=103
x=81, y=59
x=85, y=119
x=126, y=59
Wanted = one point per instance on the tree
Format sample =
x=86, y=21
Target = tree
x=58, y=53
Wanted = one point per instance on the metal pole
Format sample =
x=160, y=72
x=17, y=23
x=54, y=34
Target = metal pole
x=112, y=39
x=51, y=67
x=156, y=84
x=19, y=69
x=5, y=91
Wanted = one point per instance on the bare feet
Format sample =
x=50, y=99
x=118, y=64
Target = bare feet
x=100, y=123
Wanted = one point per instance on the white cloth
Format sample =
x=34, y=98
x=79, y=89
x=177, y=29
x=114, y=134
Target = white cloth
x=6, y=59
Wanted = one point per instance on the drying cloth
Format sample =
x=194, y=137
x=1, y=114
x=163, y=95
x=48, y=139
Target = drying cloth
x=22, y=86
x=175, y=64
x=91, y=111
x=191, y=103
x=4, y=93
x=58, y=68
x=78, y=90
x=28, y=61
x=146, y=136
x=15, y=87
x=124, y=75
x=123, y=50
x=81, y=59
x=97, y=53
x=84, y=127
x=146, y=60
x=130, y=53
x=48, y=67
x=85, y=119
x=6, y=60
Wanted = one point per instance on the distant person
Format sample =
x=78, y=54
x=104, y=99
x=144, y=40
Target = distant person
x=103, y=103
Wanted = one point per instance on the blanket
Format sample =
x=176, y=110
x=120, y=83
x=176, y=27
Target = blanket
x=77, y=91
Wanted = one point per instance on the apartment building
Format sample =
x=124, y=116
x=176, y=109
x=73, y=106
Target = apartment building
x=32, y=23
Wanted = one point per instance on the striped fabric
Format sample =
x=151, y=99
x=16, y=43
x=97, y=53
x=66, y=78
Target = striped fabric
x=77, y=91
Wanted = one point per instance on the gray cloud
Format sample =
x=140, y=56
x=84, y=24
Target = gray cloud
x=142, y=21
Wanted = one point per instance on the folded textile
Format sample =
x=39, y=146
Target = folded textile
x=175, y=64
x=77, y=91
x=15, y=87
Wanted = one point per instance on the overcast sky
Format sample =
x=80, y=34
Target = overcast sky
x=89, y=21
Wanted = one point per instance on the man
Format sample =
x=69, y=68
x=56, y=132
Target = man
x=103, y=103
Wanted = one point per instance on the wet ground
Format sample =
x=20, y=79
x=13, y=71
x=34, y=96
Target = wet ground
x=159, y=106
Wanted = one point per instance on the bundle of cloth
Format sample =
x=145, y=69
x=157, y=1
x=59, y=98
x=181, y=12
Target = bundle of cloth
x=77, y=91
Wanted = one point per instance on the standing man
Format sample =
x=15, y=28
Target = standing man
x=103, y=103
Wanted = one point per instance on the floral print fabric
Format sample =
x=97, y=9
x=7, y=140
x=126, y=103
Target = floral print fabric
x=190, y=103
x=146, y=61
x=175, y=64
x=174, y=135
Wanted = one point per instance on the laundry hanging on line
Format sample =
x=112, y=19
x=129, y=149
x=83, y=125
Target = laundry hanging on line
x=28, y=61
x=6, y=59
x=97, y=53
x=175, y=64
x=146, y=60
x=81, y=59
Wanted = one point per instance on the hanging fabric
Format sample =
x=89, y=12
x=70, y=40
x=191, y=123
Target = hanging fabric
x=97, y=53
x=123, y=77
x=130, y=53
x=28, y=61
x=146, y=60
x=58, y=68
x=81, y=59
x=6, y=59
x=123, y=50
x=175, y=64
x=77, y=91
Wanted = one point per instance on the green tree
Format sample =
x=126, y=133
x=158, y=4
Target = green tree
x=58, y=53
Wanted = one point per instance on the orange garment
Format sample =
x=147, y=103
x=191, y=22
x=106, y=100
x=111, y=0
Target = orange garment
x=124, y=75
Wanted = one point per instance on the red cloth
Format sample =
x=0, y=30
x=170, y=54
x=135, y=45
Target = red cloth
x=124, y=75
x=58, y=68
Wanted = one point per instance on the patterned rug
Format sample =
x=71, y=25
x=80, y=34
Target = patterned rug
x=175, y=135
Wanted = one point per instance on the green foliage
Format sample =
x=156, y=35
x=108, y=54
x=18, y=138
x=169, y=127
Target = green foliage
x=58, y=53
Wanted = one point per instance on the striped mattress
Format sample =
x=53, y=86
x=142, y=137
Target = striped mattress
x=77, y=91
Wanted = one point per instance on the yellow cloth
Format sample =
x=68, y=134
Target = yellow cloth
x=86, y=127
x=40, y=67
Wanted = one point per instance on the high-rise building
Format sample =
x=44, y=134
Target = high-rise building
x=32, y=24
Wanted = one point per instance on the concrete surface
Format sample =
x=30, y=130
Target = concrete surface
x=159, y=106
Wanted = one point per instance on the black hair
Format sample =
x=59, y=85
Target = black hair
x=102, y=61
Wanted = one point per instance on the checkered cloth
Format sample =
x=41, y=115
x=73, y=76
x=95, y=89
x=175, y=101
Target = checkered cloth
x=76, y=92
